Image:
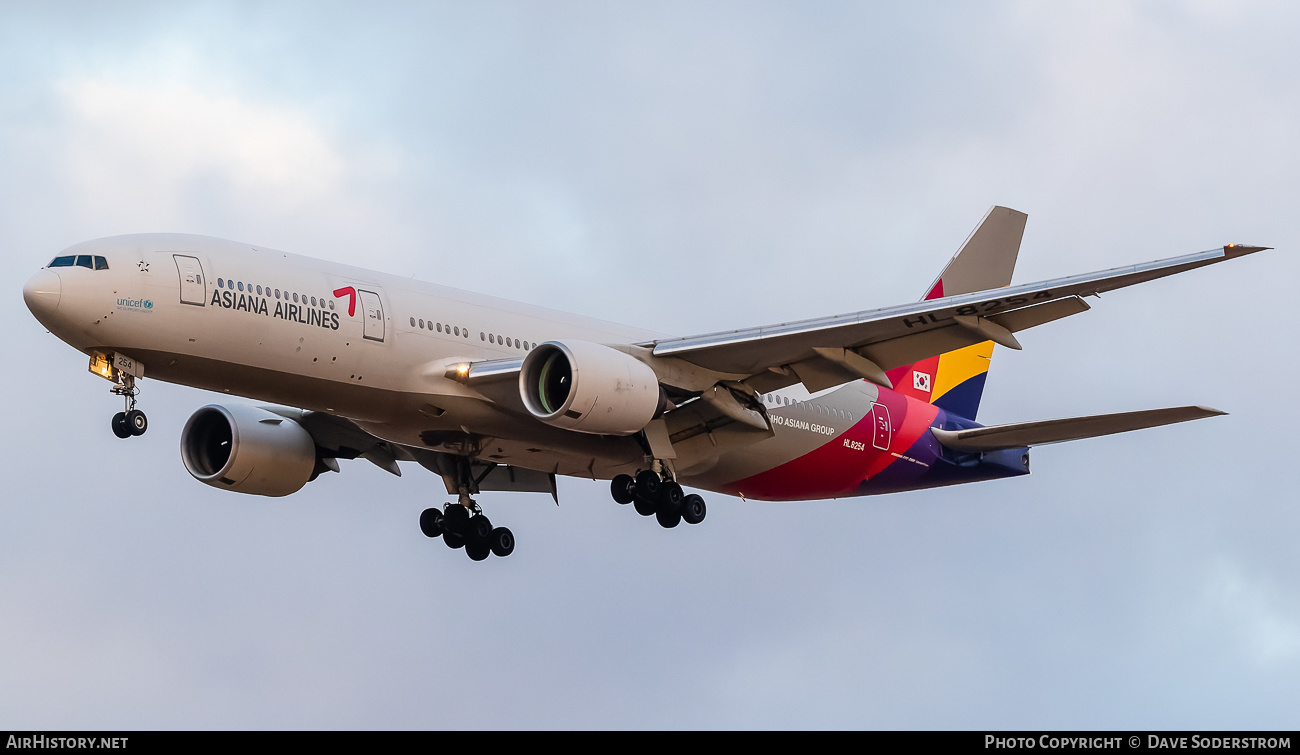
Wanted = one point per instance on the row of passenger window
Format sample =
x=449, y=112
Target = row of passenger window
x=249, y=287
x=503, y=341
x=80, y=260
x=821, y=409
x=441, y=328
x=464, y=333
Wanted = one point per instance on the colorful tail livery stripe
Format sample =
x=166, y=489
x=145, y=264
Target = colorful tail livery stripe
x=846, y=462
x=889, y=449
x=954, y=381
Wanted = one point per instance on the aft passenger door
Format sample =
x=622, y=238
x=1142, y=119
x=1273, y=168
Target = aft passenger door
x=882, y=431
x=372, y=311
x=194, y=288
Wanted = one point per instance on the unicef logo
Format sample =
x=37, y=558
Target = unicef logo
x=135, y=305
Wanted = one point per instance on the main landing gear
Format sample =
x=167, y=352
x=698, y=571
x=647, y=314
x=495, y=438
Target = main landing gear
x=132, y=421
x=654, y=493
x=463, y=525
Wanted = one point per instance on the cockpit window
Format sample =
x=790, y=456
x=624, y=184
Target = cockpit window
x=90, y=262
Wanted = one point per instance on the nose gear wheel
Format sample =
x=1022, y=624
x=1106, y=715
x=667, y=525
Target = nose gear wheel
x=131, y=421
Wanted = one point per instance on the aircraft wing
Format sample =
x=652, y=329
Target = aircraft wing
x=827, y=351
x=339, y=438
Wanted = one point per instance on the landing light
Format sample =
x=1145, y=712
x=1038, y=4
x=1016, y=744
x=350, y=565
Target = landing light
x=100, y=365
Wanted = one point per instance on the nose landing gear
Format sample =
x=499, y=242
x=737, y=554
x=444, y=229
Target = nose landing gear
x=131, y=421
x=656, y=494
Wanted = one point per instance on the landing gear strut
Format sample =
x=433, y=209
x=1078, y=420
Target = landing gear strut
x=656, y=494
x=463, y=525
x=131, y=421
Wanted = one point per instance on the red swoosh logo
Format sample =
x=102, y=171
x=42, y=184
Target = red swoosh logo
x=351, y=293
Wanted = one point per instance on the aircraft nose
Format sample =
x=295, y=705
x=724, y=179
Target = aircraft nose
x=42, y=293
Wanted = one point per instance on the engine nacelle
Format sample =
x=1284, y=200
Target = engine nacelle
x=590, y=388
x=247, y=450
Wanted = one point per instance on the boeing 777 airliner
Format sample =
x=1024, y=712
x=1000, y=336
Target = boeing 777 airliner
x=494, y=395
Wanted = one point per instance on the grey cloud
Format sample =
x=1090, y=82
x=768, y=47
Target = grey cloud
x=688, y=168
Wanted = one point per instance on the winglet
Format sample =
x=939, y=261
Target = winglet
x=1241, y=250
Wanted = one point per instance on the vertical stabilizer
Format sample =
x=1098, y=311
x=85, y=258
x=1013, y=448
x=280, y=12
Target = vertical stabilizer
x=955, y=381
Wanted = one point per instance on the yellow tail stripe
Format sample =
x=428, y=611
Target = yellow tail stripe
x=956, y=367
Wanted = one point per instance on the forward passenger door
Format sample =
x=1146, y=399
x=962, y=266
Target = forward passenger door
x=194, y=288
x=372, y=311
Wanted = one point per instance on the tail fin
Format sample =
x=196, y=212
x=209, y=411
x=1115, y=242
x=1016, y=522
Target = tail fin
x=955, y=381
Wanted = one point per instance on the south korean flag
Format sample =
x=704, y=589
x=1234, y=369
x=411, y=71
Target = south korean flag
x=921, y=381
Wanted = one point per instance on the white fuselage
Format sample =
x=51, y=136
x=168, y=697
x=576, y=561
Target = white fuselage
x=276, y=327
x=266, y=325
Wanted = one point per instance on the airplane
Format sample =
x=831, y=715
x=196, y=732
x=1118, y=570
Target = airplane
x=495, y=395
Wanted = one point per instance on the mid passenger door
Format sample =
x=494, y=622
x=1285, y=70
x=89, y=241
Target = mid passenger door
x=372, y=311
x=194, y=289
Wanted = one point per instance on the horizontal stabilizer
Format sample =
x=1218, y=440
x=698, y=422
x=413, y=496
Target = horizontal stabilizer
x=1022, y=434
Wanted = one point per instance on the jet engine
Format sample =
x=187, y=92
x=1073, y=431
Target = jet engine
x=590, y=388
x=247, y=450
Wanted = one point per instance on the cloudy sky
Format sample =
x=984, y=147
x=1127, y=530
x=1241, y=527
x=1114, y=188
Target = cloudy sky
x=683, y=167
